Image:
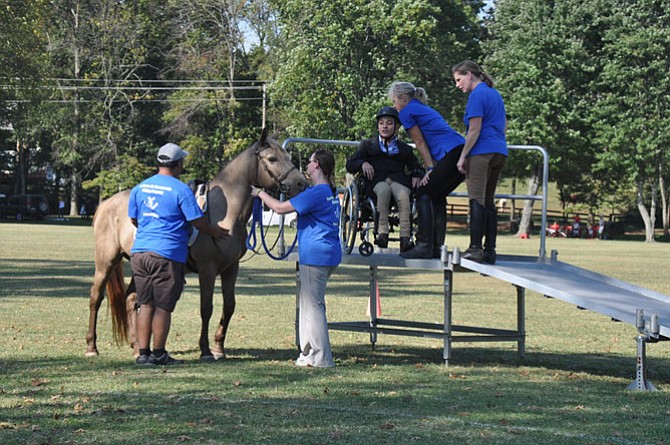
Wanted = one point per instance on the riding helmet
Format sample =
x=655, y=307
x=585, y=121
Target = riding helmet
x=388, y=112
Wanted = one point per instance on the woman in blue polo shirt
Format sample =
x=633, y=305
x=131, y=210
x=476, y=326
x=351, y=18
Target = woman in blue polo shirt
x=483, y=156
x=319, y=254
x=440, y=147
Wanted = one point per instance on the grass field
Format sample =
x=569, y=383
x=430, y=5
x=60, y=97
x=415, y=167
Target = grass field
x=570, y=388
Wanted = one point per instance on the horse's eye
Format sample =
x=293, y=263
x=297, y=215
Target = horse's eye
x=272, y=159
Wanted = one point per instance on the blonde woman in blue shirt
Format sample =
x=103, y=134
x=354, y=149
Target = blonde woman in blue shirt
x=439, y=146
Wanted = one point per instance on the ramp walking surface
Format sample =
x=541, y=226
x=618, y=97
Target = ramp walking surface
x=614, y=298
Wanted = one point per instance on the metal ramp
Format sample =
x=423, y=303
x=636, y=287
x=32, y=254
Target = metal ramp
x=647, y=310
x=608, y=296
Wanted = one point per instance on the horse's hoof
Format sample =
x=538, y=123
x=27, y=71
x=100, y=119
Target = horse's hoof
x=207, y=358
x=91, y=354
x=219, y=355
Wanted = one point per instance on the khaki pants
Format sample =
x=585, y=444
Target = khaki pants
x=313, y=326
x=384, y=190
x=482, y=178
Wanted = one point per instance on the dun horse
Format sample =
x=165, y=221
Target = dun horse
x=264, y=164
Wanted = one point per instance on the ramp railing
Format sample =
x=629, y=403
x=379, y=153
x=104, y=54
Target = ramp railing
x=545, y=178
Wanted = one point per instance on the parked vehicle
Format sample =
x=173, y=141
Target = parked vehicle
x=271, y=218
x=25, y=206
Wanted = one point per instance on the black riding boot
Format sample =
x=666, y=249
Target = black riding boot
x=440, y=229
x=490, y=234
x=405, y=243
x=477, y=224
x=424, y=234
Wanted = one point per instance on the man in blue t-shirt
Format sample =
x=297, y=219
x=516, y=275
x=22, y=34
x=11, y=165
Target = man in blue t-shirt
x=162, y=208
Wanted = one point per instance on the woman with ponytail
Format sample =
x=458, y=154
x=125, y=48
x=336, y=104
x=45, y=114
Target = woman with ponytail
x=483, y=156
x=440, y=147
x=319, y=253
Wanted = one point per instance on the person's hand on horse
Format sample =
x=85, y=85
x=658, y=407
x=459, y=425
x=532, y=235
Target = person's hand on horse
x=219, y=232
x=255, y=191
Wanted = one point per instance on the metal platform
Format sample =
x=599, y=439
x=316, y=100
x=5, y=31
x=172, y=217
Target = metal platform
x=645, y=309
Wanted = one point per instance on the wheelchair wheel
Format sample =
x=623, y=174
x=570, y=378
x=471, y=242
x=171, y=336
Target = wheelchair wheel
x=349, y=218
x=366, y=248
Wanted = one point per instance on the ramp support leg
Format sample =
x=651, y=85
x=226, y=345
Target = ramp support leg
x=521, y=320
x=373, y=305
x=448, y=293
x=641, y=383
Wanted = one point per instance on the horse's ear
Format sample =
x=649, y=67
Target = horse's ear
x=264, y=136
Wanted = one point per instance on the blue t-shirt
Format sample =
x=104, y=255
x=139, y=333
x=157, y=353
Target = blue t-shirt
x=163, y=206
x=318, y=226
x=439, y=136
x=486, y=102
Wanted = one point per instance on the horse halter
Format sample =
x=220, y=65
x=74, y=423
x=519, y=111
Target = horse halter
x=279, y=180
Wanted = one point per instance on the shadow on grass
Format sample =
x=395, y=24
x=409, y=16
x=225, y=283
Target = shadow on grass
x=484, y=357
x=44, y=278
x=52, y=221
x=352, y=356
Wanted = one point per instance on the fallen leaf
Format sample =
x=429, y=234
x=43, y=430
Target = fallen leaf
x=387, y=426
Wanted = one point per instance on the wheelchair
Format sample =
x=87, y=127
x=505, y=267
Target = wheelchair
x=359, y=217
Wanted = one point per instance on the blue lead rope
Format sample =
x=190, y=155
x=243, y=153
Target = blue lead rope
x=257, y=218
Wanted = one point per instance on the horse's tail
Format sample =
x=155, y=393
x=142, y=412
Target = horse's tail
x=116, y=291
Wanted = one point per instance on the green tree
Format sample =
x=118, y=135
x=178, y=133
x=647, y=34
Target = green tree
x=540, y=53
x=632, y=121
x=99, y=56
x=22, y=64
x=127, y=173
x=218, y=112
x=336, y=59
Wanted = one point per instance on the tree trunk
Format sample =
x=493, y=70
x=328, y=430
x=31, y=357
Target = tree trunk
x=527, y=215
x=21, y=172
x=665, y=211
x=75, y=182
x=649, y=218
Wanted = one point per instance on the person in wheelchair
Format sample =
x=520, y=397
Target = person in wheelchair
x=384, y=161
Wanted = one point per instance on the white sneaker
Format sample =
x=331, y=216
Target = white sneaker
x=302, y=362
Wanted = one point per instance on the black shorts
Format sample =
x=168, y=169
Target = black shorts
x=158, y=280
